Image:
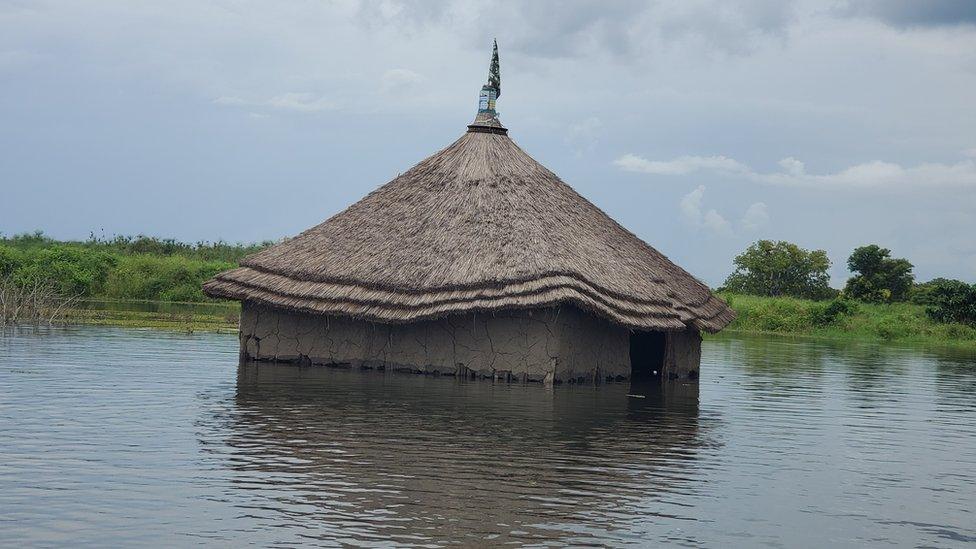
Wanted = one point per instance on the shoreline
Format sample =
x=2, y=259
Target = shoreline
x=869, y=324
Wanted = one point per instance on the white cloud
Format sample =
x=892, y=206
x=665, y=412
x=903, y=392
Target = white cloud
x=691, y=205
x=792, y=166
x=691, y=209
x=716, y=223
x=682, y=165
x=868, y=174
x=756, y=217
x=290, y=101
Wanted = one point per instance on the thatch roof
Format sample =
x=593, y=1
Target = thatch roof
x=479, y=226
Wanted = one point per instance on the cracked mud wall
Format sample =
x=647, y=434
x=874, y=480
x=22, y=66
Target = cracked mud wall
x=589, y=348
x=541, y=344
x=683, y=356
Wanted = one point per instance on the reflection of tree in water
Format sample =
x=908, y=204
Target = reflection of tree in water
x=363, y=456
x=784, y=365
x=956, y=380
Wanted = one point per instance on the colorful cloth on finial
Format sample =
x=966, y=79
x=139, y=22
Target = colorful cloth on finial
x=495, y=73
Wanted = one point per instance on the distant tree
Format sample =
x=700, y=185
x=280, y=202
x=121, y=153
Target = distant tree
x=781, y=269
x=921, y=293
x=951, y=301
x=877, y=276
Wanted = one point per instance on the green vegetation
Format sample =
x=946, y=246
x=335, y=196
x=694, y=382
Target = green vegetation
x=780, y=269
x=839, y=318
x=947, y=300
x=878, y=278
x=777, y=287
x=183, y=319
x=142, y=267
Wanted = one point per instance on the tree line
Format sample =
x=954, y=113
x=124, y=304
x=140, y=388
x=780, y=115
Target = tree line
x=780, y=268
x=35, y=269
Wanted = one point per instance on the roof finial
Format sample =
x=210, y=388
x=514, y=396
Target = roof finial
x=487, y=119
x=494, y=71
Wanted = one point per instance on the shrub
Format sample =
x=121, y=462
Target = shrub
x=951, y=301
x=72, y=271
x=921, y=294
x=171, y=278
x=10, y=260
x=832, y=313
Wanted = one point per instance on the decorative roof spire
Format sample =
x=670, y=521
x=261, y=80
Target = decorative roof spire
x=495, y=72
x=487, y=118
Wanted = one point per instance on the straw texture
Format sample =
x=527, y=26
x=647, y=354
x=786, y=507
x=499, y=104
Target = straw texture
x=479, y=226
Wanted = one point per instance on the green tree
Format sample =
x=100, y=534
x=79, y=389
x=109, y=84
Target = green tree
x=878, y=277
x=781, y=269
x=951, y=301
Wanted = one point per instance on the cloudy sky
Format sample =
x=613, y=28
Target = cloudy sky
x=700, y=125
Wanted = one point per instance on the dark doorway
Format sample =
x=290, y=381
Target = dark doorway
x=647, y=355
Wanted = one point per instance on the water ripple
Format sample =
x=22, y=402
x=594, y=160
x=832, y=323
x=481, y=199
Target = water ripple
x=125, y=437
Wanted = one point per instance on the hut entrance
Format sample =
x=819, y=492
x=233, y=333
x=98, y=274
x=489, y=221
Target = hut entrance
x=647, y=355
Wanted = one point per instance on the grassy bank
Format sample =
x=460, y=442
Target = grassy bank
x=900, y=322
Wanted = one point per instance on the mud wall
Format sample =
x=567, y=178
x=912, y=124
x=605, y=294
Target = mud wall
x=589, y=348
x=683, y=355
x=558, y=344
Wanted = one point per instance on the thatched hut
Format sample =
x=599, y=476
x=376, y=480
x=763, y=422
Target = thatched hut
x=476, y=261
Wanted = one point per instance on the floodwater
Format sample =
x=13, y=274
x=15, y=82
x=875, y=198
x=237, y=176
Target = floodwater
x=112, y=437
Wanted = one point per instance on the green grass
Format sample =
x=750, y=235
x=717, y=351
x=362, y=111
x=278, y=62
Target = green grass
x=182, y=317
x=899, y=322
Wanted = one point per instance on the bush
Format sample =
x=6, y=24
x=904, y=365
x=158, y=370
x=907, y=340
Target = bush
x=170, y=278
x=72, y=272
x=10, y=260
x=832, y=313
x=921, y=294
x=951, y=301
x=123, y=267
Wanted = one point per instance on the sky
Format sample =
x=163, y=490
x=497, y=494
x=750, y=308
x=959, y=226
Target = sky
x=700, y=125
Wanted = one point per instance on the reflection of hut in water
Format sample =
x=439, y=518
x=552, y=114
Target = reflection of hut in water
x=355, y=456
x=476, y=260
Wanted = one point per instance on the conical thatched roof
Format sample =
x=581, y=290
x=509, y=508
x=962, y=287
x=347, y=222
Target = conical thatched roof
x=479, y=226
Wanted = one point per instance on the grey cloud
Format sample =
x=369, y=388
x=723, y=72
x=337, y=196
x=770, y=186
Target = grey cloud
x=573, y=28
x=915, y=13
